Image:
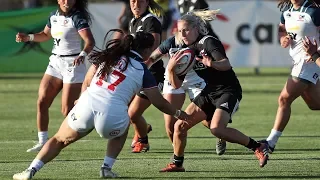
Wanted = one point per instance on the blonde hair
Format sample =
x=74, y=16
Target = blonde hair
x=155, y=8
x=199, y=20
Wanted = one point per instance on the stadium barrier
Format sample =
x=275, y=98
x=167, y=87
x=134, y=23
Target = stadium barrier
x=248, y=30
x=23, y=57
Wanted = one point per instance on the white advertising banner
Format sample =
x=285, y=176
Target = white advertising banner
x=248, y=29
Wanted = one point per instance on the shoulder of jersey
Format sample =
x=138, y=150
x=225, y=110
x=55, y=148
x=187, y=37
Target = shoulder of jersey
x=201, y=41
x=148, y=16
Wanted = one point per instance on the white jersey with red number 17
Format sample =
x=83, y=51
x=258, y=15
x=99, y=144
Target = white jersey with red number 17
x=117, y=88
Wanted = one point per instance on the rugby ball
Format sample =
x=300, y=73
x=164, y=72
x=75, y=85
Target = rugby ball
x=186, y=62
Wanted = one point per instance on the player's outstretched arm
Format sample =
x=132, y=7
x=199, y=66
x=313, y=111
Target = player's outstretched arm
x=163, y=105
x=87, y=80
x=42, y=36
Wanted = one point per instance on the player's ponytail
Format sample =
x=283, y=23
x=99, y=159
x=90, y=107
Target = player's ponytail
x=155, y=8
x=107, y=58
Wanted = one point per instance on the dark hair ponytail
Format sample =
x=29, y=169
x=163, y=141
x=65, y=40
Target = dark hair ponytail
x=115, y=48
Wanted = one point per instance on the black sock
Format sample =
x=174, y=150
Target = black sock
x=143, y=140
x=178, y=161
x=253, y=145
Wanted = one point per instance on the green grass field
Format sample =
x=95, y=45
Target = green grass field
x=297, y=155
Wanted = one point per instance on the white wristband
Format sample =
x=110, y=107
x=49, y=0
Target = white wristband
x=83, y=53
x=177, y=114
x=31, y=37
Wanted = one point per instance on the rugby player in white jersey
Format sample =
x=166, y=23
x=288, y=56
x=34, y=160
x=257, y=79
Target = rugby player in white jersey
x=68, y=26
x=117, y=74
x=300, y=20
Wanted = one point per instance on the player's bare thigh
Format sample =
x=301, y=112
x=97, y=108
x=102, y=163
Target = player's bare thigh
x=67, y=135
x=293, y=88
x=197, y=115
x=49, y=87
x=312, y=96
x=137, y=106
x=70, y=93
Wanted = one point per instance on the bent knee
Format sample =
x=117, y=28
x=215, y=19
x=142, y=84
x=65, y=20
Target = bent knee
x=63, y=141
x=180, y=127
x=43, y=104
x=217, y=131
x=134, y=115
x=284, y=100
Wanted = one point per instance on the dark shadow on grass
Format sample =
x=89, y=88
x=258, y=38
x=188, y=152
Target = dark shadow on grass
x=263, y=91
x=20, y=77
x=223, y=177
x=18, y=92
x=195, y=177
x=256, y=137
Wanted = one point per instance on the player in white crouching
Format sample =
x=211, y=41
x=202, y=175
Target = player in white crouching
x=117, y=75
x=68, y=26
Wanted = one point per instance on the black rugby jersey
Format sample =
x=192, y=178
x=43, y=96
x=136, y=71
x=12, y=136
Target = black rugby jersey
x=147, y=22
x=221, y=81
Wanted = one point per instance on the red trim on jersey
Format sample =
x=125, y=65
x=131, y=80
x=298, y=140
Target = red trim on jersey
x=83, y=29
x=159, y=51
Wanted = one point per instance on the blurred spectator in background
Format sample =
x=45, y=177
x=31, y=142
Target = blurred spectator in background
x=31, y=3
x=124, y=18
x=170, y=12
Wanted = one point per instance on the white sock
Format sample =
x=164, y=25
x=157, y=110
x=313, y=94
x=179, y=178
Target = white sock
x=273, y=137
x=36, y=164
x=108, y=162
x=43, y=137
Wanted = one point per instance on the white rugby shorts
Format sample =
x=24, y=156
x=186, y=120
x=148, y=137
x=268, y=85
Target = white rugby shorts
x=305, y=70
x=193, y=90
x=192, y=84
x=62, y=68
x=82, y=118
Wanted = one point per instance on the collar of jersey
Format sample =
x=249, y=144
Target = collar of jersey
x=134, y=54
x=196, y=41
x=70, y=13
x=142, y=15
